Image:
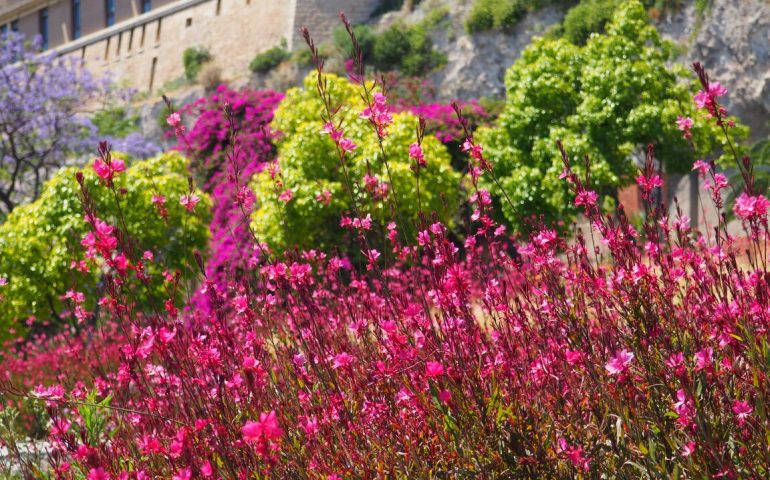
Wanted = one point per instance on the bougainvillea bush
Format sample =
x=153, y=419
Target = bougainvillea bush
x=647, y=357
x=229, y=143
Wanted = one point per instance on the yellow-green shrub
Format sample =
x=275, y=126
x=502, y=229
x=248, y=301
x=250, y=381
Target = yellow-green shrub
x=39, y=240
x=309, y=165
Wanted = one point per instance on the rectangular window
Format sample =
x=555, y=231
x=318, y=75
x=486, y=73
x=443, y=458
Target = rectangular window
x=15, y=26
x=43, y=20
x=4, y=29
x=75, y=19
x=146, y=6
x=109, y=10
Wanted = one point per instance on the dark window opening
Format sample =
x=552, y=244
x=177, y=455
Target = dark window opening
x=109, y=9
x=188, y=22
x=43, y=21
x=75, y=19
x=146, y=6
x=15, y=26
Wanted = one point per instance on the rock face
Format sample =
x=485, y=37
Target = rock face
x=732, y=40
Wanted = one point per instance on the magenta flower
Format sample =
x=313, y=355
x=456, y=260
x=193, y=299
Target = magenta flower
x=685, y=124
x=107, y=170
x=749, y=207
x=267, y=428
x=189, y=201
x=434, y=369
x=587, y=198
x=742, y=410
x=286, y=195
x=702, y=167
x=98, y=474
x=416, y=154
x=688, y=449
x=620, y=362
x=704, y=359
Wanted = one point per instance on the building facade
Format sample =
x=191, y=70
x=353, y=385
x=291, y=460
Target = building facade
x=142, y=41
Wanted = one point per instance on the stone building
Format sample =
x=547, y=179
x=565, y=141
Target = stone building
x=142, y=41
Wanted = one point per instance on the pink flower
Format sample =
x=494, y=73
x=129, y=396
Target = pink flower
x=749, y=207
x=703, y=359
x=107, y=170
x=347, y=145
x=98, y=474
x=416, y=154
x=3, y=281
x=286, y=196
x=342, y=360
x=647, y=184
x=688, y=449
x=587, y=198
x=702, y=167
x=54, y=392
x=685, y=124
x=174, y=119
x=379, y=114
x=324, y=197
x=267, y=428
x=620, y=362
x=742, y=410
x=189, y=201
x=574, y=454
x=434, y=369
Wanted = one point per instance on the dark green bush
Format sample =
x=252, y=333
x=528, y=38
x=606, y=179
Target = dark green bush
x=193, y=59
x=488, y=15
x=408, y=49
x=269, y=59
x=115, y=122
x=365, y=36
x=587, y=17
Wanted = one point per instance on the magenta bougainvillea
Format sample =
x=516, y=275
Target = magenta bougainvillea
x=228, y=143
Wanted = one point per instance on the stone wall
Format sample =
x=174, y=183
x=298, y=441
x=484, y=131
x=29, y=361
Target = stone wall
x=146, y=51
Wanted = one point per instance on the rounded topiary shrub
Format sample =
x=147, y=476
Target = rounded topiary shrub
x=321, y=191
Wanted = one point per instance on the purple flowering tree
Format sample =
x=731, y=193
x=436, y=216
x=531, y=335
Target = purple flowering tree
x=41, y=126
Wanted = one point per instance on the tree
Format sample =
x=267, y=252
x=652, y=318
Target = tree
x=604, y=100
x=40, y=98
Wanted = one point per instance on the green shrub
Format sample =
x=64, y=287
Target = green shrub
x=607, y=100
x=365, y=36
x=309, y=166
x=488, y=15
x=269, y=59
x=587, y=17
x=36, y=240
x=193, y=59
x=115, y=122
x=408, y=49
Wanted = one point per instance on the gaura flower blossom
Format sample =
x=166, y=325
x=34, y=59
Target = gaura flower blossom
x=267, y=428
x=684, y=124
x=619, y=363
x=749, y=207
x=416, y=154
x=586, y=198
x=688, y=449
x=742, y=410
x=434, y=369
x=189, y=201
x=379, y=114
x=107, y=170
x=286, y=195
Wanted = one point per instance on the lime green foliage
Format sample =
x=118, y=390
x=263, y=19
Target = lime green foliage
x=38, y=240
x=115, y=122
x=193, y=59
x=309, y=165
x=606, y=100
x=494, y=15
x=269, y=59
